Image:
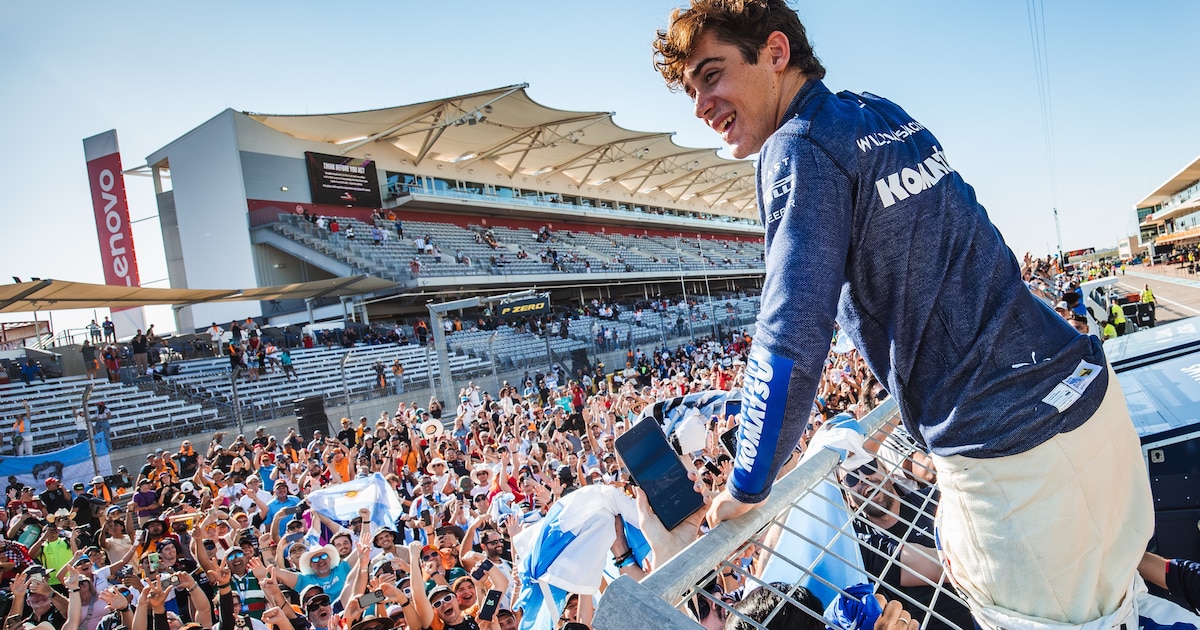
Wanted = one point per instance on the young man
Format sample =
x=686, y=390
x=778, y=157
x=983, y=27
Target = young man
x=868, y=223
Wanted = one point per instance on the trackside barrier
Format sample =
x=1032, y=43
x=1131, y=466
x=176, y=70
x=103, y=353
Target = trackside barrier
x=803, y=534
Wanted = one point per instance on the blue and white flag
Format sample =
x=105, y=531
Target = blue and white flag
x=842, y=343
x=70, y=465
x=341, y=502
x=679, y=414
x=566, y=551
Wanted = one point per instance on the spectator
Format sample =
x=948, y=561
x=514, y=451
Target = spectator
x=895, y=529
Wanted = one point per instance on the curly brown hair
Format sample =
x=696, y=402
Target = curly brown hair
x=742, y=23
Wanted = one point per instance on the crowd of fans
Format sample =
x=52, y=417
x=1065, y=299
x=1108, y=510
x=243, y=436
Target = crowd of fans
x=223, y=536
x=216, y=536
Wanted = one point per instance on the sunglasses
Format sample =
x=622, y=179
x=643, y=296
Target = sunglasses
x=446, y=599
x=482, y=497
x=233, y=555
x=430, y=557
x=860, y=474
x=320, y=557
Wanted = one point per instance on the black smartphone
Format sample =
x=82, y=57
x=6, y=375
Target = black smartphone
x=210, y=545
x=659, y=473
x=490, y=603
x=729, y=441
x=371, y=598
x=427, y=518
x=293, y=537
x=712, y=468
x=481, y=569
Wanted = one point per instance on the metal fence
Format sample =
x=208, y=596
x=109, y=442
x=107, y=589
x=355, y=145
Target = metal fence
x=809, y=533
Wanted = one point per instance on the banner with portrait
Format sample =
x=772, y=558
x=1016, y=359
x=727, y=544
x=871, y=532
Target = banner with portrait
x=70, y=465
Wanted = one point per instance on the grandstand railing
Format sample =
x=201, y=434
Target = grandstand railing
x=622, y=211
x=661, y=599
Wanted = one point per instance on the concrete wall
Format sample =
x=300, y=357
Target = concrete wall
x=210, y=220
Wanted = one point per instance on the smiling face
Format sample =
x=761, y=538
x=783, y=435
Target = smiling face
x=466, y=594
x=739, y=100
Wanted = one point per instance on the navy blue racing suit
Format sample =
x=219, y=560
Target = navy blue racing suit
x=868, y=223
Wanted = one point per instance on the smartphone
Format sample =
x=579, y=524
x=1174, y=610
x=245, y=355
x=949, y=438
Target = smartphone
x=481, y=569
x=712, y=468
x=210, y=545
x=732, y=408
x=659, y=473
x=153, y=561
x=490, y=603
x=371, y=598
x=293, y=537
x=729, y=441
x=168, y=581
x=427, y=518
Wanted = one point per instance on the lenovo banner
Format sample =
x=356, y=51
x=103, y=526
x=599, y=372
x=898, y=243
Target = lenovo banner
x=515, y=309
x=343, y=181
x=111, y=209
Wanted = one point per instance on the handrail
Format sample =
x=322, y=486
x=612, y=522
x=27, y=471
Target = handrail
x=677, y=577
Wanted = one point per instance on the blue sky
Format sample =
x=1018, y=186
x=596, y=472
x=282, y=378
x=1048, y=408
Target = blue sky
x=1124, y=113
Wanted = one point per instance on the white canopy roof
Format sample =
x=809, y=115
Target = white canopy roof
x=521, y=136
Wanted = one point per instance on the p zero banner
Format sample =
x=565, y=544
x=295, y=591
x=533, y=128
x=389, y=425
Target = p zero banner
x=342, y=180
x=111, y=210
x=515, y=309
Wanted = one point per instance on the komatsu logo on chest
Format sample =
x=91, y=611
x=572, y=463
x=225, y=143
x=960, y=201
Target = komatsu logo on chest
x=914, y=179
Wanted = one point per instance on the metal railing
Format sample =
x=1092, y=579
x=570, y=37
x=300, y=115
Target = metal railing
x=779, y=538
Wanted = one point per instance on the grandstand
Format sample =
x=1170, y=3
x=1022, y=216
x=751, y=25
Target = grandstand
x=200, y=397
x=136, y=412
x=501, y=193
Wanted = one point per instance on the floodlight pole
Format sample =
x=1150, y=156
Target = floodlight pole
x=87, y=395
x=345, y=386
x=683, y=283
x=492, y=353
x=237, y=403
x=546, y=333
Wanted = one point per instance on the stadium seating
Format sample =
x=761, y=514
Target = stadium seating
x=138, y=414
x=460, y=252
x=318, y=373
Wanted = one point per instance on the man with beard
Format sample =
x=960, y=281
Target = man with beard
x=896, y=531
x=322, y=566
x=148, y=537
x=385, y=539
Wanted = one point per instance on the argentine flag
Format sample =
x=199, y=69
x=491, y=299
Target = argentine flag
x=341, y=502
x=566, y=551
x=691, y=413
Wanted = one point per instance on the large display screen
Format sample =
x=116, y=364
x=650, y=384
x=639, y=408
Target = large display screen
x=343, y=180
